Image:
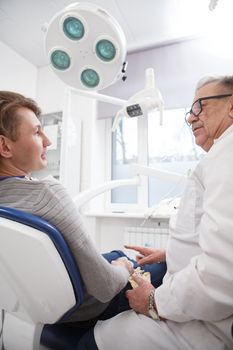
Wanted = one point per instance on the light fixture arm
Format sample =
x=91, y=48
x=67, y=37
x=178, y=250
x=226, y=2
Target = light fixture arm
x=99, y=96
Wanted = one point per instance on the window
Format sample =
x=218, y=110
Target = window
x=170, y=147
x=124, y=153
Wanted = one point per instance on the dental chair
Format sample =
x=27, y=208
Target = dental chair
x=40, y=284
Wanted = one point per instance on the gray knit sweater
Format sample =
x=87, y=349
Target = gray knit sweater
x=48, y=199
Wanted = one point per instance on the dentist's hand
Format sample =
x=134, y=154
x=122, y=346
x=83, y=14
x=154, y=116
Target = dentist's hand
x=148, y=255
x=138, y=297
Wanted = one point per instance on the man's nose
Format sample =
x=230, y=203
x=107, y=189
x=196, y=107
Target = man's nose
x=192, y=118
x=47, y=142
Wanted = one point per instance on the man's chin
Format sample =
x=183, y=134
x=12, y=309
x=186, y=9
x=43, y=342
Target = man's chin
x=200, y=141
x=204, y=143
x=41, y=166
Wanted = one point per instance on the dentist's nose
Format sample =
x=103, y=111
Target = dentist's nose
x=190, y=118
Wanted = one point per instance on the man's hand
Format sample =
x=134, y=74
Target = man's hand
x=148, y=255
x=123, y=261
x=138, y=297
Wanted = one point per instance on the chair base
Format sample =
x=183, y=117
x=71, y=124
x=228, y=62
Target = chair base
x=22, y=335
x=19, y=334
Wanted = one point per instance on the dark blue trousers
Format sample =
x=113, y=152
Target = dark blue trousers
x=120, y=302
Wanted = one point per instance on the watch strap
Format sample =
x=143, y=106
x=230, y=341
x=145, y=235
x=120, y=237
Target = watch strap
x=150, y=306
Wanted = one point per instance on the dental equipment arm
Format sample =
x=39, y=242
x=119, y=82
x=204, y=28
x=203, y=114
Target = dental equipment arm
x=85, y=196
x=142, y=102
x=159, y=174
x=140, y=170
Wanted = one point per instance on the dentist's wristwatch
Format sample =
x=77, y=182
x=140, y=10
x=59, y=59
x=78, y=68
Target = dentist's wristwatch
x=150, y=305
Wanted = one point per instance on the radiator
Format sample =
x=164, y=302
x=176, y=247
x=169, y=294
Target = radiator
x=145, y=236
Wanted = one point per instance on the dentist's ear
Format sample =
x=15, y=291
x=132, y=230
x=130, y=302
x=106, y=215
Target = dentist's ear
x=231, y=108
x=5, y=149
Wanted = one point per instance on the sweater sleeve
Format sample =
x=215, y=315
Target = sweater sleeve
x=102, y=280
x=203, y=290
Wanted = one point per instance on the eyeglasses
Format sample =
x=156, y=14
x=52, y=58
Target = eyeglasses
x=197, y=107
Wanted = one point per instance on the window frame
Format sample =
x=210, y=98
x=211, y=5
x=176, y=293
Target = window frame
x=143, y=159
x=142, y=189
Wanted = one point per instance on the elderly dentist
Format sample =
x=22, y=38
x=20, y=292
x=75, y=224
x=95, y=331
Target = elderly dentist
x=193, y=308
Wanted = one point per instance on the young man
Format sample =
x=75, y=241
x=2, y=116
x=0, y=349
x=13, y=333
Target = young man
x=193, y=308
x=23, y=145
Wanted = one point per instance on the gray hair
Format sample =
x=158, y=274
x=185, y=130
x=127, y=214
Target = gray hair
x=223, y=81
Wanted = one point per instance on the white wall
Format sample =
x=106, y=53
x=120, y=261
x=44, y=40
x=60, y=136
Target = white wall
x=108, y=232
x=1, y=328
x=177, y=68
x=78, y=145
x=50, y=91
x=16, y=73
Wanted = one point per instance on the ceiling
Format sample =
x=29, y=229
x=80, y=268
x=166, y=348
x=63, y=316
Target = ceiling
x=146, y=23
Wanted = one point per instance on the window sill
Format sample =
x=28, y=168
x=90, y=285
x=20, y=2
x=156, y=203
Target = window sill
x=124, y=215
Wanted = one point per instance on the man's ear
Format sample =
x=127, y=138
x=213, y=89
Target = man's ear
x=231, y=108
x=5, y=148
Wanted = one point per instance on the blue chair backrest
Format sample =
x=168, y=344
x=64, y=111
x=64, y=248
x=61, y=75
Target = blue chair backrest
x=60, y=244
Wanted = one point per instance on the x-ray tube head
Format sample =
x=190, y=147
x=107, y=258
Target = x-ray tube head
x=86, y=47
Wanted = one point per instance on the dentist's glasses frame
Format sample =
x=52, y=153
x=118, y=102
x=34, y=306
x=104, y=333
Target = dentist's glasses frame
x=197, y=107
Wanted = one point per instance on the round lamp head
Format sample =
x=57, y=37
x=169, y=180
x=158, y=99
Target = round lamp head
x=73, y=28
x=105, y=50
x=86, y=47
x=60, y=60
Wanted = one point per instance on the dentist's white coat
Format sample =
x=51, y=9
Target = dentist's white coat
x=196, y=297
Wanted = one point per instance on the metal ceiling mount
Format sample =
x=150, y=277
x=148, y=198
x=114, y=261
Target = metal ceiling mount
x=213, y=4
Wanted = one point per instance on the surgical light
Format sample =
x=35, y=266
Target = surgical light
x=86, y=47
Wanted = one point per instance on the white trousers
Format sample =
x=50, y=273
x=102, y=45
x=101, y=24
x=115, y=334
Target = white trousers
x=131, y=331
